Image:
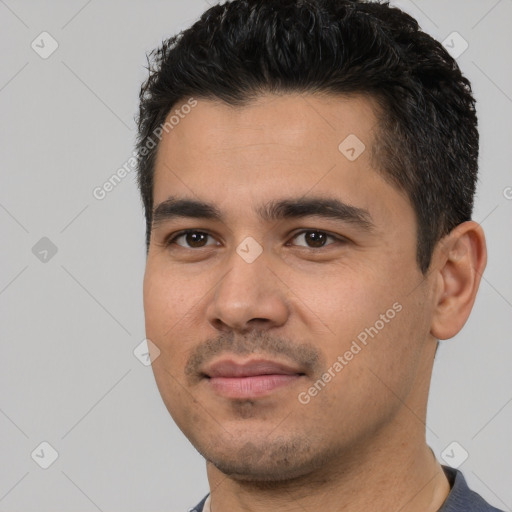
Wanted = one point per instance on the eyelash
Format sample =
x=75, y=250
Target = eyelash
x=172, y=239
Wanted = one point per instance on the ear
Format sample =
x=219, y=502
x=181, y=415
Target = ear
x=459, y=261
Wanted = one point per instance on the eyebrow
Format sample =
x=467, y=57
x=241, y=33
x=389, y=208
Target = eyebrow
x=275, y=210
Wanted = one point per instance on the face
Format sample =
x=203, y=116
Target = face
x=291, y=317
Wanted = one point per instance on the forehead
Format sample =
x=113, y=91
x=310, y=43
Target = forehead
x=293, y=143
x=297, y=121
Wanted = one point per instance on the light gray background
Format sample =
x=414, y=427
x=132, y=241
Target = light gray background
x=69, y=325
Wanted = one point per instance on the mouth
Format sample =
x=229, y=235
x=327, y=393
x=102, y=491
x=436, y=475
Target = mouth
x=250, y=379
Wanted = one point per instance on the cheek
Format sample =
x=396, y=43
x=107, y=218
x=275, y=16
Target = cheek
x=181, y=404
x=167, y=299
x=375, y=326
x=344, y=303
x=392, y=348
x=169, y=309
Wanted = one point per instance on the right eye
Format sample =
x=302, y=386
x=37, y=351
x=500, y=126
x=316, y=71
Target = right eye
x=195, y=239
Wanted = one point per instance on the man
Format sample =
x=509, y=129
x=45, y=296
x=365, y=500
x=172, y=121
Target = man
x=307, y=169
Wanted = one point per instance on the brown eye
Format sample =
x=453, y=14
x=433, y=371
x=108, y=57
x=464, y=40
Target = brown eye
x=193, y=239
x=314, y=239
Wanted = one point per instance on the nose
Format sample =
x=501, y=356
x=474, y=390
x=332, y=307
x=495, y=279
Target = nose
x=249, y=296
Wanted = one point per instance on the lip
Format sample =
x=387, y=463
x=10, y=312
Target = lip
x=249, y=379
x=231, y=368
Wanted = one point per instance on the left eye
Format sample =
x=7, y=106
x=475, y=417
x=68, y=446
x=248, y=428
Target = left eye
x=314, y=239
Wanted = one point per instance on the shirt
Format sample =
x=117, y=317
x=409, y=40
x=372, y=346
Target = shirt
x=460, y=499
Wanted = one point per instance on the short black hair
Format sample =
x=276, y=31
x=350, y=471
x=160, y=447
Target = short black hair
x=427, y=141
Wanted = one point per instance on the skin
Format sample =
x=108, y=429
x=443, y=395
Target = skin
x=359, y=443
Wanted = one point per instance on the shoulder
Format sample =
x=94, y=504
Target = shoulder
x=461, y=497
x=199, y=506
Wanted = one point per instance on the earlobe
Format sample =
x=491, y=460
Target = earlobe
x=462, y=257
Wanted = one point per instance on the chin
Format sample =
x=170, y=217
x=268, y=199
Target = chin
x=277, y=461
